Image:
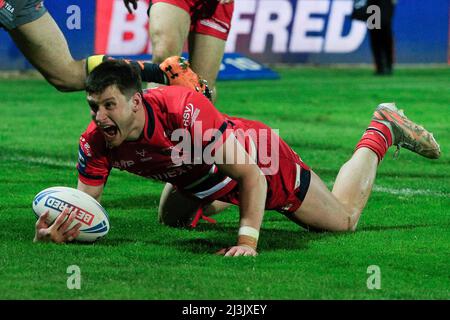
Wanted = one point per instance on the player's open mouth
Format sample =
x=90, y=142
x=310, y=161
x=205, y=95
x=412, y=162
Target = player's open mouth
x=109, y=131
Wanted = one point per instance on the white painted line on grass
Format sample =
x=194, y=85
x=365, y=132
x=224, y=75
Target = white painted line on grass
x=40, y=160
x=410, y=192
x=376, y=188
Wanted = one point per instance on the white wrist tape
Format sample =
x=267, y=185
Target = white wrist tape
x=249, y=231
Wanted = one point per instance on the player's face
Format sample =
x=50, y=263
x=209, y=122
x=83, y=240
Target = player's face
x=113, y=113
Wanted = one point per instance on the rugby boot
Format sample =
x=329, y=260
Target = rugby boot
x=406, y=133
x=179, y=73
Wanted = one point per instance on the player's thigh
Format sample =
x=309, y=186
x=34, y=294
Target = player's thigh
x=44, y=45
x=206, y=53
x=176, y=209
x=320, y=210
x=169, y=28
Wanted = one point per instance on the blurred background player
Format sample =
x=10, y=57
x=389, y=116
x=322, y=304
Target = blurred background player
x=382, y=40
x=205, y=24
x=129, y=129
x=41, y=41
x=381, y=36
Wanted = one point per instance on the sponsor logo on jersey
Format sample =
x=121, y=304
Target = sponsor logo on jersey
x=175, y=172
x=60, y=205
x=190, y=114
x=7, y=6
x=86, y=147
x=141, y=153
x=123, y=164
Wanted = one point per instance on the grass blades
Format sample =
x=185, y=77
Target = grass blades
x=321, y=113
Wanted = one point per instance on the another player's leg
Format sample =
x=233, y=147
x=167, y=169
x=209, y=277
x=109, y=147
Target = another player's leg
x=169, y=29
x=206, y=53
x=340, y=209
x=44, y=45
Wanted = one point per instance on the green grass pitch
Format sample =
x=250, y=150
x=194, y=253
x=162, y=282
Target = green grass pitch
x=321, y=113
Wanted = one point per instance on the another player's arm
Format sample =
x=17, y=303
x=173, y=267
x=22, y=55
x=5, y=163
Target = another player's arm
x=93, y=191
x=252, y=191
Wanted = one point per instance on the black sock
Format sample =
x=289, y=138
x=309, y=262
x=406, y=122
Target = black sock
x=151, y=72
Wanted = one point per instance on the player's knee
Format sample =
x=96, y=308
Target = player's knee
x=348, y=225
x=160, y=55
x=163, y=219
x=162, y=49
x=172, y=220
x=345, y=224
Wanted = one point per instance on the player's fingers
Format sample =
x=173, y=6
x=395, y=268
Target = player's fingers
x=222, y=251
x=43, y=233
x=231, y=252
x=77, y=226
x=251, y=253
x=41, y=223
x=76, y=234
x=60, y=219
x=68, y=222
x=73, y=232
x=71, y=237
x=247, y=252
x=239, y=252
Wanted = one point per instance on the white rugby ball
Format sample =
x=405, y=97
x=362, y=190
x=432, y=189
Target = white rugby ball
x=93, y=217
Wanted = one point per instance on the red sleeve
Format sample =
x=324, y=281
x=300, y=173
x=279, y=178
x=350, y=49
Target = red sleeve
x=93, y=163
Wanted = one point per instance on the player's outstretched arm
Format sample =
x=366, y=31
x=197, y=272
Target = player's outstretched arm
x=94, y=191
x=59, y=231
x=237, y=164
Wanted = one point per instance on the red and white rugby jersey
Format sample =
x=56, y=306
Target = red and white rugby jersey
x=166, y=110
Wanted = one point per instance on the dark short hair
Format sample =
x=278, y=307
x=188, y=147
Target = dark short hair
x=125, y=76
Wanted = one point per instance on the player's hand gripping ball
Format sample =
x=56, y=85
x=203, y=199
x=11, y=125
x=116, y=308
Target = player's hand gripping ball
x=92, y=216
